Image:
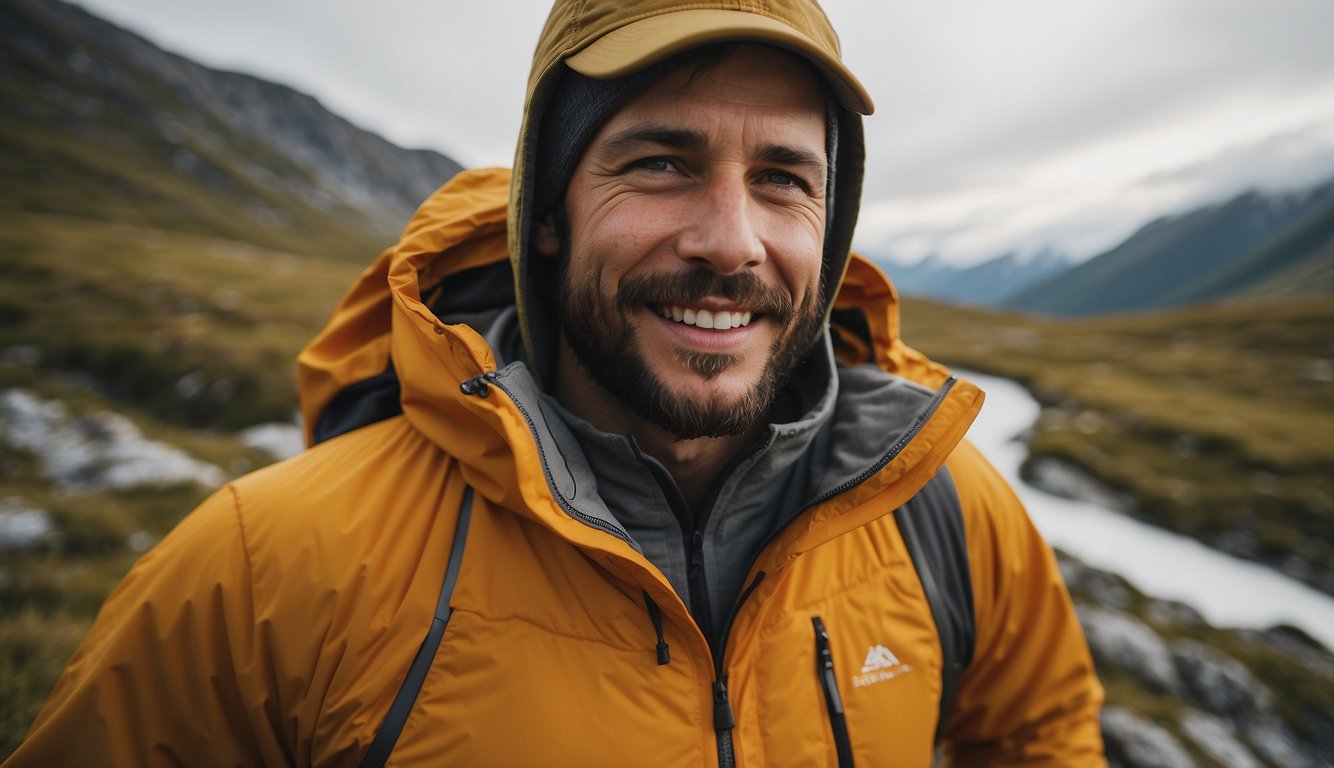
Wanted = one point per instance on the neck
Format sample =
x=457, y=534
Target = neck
x=694, y=464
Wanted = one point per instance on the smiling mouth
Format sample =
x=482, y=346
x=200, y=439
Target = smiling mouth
x=721, y=319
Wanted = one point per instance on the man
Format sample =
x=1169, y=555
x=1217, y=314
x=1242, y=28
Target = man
x=626, y=497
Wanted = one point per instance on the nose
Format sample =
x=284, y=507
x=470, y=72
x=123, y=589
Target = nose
x=722, y=233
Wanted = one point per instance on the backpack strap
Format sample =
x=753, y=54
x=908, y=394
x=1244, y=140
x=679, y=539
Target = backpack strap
x=932, y=527
x=387, y=736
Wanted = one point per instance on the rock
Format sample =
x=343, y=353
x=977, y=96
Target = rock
x=1218, y=682
x=24, y=528
x=1172, y=613
x=1215, y=738
x=1121, y=640
x=1095, y=586
x=103, y=450
x=1061, y=478
x=1276, y=744
x=1134, y=741
x=281, y=441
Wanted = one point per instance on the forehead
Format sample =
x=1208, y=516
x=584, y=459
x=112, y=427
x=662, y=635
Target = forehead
x=771, y=88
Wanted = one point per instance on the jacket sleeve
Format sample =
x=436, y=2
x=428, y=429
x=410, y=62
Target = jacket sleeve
x=1031, y=696
x=168, y=674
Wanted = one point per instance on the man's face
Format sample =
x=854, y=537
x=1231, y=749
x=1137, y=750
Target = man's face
x=696, y=221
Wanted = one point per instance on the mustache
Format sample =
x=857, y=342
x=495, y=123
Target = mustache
x=691, y=287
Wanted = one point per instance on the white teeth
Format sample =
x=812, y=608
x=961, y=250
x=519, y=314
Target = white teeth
x=703, y=318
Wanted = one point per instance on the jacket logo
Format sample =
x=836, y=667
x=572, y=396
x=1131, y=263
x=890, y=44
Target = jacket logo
x=879, y=657
x=881, y=664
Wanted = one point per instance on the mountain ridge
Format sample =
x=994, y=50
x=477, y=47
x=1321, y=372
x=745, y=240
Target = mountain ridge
x=85, y=100
x=1240, y=248
x=1256, y=244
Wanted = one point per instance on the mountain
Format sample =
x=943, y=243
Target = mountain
x=1254, y=245
x=99, y=123
x=987, y=283
x=174, y=234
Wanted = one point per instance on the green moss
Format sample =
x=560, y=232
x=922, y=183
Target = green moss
x=34, y=648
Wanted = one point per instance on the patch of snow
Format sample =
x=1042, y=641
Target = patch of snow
x=281, y=441
x=102, y=450
x=22, y=527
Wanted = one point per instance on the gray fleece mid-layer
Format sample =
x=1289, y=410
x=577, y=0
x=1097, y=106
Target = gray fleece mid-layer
x=845, y=419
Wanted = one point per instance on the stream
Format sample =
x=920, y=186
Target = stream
x=1227, y=591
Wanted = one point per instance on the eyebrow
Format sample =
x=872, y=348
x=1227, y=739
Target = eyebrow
x=776, y=153
x=695, y=141
x=676, y=138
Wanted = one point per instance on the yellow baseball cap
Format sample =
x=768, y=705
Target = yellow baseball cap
x=611, y=38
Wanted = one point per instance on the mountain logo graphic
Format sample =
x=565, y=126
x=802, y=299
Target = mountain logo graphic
x=879, y=657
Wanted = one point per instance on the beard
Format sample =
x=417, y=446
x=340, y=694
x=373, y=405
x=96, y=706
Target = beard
x=600, y=331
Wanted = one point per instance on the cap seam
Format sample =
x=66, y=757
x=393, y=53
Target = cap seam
x=625, y=21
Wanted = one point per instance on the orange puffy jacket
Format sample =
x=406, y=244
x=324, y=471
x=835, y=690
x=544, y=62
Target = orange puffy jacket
x=275, y=625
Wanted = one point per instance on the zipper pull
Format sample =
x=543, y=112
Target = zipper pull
x=696, y=552
x=655, y=616
x=723, y=719
x=824, y=667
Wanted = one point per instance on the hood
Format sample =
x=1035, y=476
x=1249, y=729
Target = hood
x=420, y=326
x=614, y=38
x=412, y=328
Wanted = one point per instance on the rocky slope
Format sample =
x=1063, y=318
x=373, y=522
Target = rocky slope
x=86, y=104
x=1182, y=693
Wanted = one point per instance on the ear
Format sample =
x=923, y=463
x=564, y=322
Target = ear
x=545, y=240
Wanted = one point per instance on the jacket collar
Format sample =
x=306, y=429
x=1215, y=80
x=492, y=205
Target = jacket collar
x=500, y=441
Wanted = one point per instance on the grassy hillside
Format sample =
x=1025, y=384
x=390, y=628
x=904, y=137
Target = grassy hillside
x=190, y=336
x=1215, y=420
x=195, y=330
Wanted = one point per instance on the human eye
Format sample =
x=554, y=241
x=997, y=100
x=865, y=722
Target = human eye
x=785, y=180
x=656, y=164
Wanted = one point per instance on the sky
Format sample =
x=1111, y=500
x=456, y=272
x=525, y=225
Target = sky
x=1001, y=127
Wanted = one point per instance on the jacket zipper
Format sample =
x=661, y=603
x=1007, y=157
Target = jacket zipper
x=824, y=669
x=723, y=719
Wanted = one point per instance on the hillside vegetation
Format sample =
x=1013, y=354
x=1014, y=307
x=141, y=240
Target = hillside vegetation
x=191, y=337
x=1214, y=421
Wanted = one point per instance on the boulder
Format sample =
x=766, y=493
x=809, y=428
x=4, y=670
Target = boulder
x=1216, y=738
x=1120, y=640
x=1217, y=682
x=1137, y=742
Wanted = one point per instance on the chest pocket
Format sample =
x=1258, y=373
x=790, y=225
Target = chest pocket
x=876, y=663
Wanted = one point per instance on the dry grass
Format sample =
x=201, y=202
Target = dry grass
x=1215, y=419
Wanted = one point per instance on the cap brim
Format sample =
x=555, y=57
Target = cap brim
x=636, y=45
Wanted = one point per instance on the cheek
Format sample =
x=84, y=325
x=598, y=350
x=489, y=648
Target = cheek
x=621, y=237
x=797, y=247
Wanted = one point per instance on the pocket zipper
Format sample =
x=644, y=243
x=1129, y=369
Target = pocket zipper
x=824, y=669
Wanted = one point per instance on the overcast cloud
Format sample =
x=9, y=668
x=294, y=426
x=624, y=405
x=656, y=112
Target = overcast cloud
x=1000, y=127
